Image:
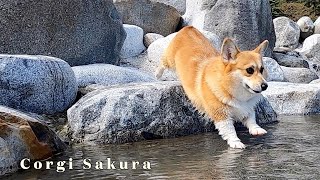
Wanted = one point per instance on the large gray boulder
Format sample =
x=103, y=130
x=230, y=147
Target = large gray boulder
x=298, y=75
x=291, y=98
x=273, y=69
x=80, y=32
x=23, y=136
x=152, y=17
x=287, y=33
x=247, y=22
x=311, y=47
x=141, y=111
x=108, y=75
x=133, y=44
x=38, y=84
x=291, y=59
x=180, y=5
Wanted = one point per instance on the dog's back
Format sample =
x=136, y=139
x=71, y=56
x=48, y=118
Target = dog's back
x=187, y=53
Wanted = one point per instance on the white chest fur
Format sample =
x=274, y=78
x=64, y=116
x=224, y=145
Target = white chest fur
x=243, y=109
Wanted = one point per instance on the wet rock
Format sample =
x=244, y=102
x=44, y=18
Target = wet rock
x=141, y=111
x=80, y=32
x=107, y=75
x=152, y=17
x=180, y=5
x=38, y=84
x=292, y=98
x=150, y=38
x=298, y=75
x=22, y=136
x=290, y=59
x=273, y=69
x=306, y=26
x=133, y=44
x=317, y=26
x=287, y=32
x=247, y=22
x=311, y=46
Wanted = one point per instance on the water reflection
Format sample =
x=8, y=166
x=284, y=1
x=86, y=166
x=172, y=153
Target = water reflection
x=289, y=150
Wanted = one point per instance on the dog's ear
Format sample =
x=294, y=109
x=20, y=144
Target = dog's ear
x=229, y=50
x=262, y=47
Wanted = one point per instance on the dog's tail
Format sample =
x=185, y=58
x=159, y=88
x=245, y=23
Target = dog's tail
x=166, y=62
x=162, y=66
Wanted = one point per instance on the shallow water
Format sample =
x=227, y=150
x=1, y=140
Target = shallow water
x=290, y=150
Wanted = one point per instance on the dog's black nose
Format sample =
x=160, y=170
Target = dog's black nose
x=264, y=86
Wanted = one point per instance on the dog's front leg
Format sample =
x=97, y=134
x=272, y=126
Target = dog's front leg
x=228, y=132
x=251, y=124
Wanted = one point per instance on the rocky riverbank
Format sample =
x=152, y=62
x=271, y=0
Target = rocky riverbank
x=94, y=63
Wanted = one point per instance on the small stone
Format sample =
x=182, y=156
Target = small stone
x=273, y=69
x=150, y=38
x=306, y=27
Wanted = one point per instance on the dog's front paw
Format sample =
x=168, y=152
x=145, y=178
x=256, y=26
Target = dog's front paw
x=236, y=144
x=257, y=131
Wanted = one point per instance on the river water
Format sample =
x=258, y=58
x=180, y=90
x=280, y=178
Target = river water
x=290, y=150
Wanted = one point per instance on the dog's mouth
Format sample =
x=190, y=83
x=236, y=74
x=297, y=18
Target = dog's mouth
x=250, y=89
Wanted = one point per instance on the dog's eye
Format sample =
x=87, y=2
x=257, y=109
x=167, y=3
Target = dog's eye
x=261, y=70
x=250, y=70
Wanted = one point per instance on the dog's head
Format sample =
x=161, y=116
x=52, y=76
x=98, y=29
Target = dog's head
x=245, y=66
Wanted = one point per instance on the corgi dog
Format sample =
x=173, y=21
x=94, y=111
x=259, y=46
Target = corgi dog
x=224, y=85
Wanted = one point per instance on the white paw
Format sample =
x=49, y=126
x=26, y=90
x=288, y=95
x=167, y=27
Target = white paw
x=236, y=144
x=257, y=131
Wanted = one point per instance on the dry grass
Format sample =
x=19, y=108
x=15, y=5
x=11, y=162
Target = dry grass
x=295, y=11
